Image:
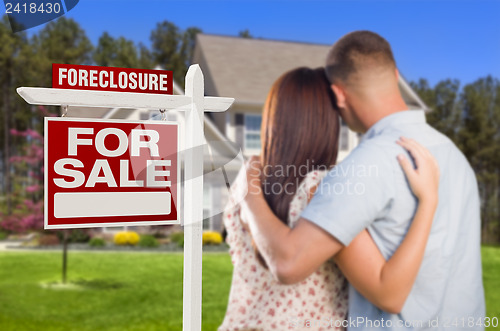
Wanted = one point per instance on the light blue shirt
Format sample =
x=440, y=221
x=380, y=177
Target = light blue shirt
x=369, y=190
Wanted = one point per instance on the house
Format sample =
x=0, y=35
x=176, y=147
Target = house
x=244, y=69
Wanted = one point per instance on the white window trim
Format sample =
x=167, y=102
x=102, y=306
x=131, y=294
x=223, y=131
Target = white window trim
x=245, y=131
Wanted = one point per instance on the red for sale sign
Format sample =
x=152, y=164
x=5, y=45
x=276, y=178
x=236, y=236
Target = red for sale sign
x=110, y=173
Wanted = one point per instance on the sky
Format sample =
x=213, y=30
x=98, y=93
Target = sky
x=435, y=40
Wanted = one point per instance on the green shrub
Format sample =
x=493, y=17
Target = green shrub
x=97, y=242
x=79, y=236
x=74, y=235
x=177, y=237
x=148, y=240
x=3, y=235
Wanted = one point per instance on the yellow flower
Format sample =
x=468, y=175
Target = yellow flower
x=211, y=238
x=126, y=238
x=133, y=238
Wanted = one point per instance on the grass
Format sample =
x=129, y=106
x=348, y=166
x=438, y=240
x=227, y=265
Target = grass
x=130, y=291
x=491, y=278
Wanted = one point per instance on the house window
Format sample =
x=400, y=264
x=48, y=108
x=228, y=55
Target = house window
x=239, y=119
x=252, y=131
x=344, y=137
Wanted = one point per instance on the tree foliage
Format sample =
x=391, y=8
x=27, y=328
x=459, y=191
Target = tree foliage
x=469, y=115
x=471, y=118
x=119, y=52
x=28, y=62
x=60, y=41
x=172, y=49
x=245, y=34
x=15, y=54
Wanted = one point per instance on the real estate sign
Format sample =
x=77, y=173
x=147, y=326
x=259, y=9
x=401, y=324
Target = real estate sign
x=110, y=173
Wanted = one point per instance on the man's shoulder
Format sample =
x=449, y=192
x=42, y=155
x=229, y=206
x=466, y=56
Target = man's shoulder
x=372, y=148
x=380, y=150
x=439, y=144
x=423, y=133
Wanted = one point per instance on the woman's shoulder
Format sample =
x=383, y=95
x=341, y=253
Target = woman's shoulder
x=311, y=181
x=314, y=177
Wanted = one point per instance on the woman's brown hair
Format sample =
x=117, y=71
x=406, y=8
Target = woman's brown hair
x=299, y=134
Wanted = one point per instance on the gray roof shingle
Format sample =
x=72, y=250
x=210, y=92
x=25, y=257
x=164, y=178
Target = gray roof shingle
x=246, y=68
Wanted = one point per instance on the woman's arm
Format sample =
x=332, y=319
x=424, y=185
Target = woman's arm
x=292, y=254
x=387, y=283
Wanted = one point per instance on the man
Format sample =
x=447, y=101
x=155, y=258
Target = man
x=368, y=190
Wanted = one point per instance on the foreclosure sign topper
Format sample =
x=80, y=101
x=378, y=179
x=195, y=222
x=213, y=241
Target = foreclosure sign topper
x=110, y=173
x=83, y=77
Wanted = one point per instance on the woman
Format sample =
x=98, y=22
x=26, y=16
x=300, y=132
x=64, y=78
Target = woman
x=299, y=144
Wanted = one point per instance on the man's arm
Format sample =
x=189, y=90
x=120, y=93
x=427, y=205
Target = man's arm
x=387, y=284
x=292, y=254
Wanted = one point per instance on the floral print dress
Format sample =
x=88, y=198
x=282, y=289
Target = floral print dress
x=259, y=302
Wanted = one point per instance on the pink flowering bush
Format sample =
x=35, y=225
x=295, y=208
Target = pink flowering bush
x=27, y=196
x=24, y=218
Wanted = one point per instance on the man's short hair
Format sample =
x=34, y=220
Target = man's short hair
x=355, y=52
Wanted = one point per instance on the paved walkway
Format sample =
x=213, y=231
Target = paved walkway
x=12, y=245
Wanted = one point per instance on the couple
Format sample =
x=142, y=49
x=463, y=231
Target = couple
x=374, y=242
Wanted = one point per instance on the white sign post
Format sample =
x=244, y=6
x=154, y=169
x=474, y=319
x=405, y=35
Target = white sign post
x=194, y=103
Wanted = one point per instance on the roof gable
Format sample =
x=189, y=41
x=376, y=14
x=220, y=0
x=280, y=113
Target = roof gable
x=246, y=68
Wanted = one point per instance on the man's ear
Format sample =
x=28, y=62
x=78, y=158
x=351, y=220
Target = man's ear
x=340, y=95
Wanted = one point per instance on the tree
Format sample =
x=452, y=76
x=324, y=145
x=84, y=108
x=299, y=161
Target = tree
x=443, y=100
x=105, y=51
x=471, y=118
x=187, y=46
x=61, y=41
x=14, y=55
x=119, y=52
x=126, y=54
x=172, y=48
x=145, y=57
x=165, y=40
x=245, y=34
x=479, y=139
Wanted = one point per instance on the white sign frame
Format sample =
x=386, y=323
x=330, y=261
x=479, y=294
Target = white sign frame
x=194, y=103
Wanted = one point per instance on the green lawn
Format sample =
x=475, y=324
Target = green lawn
x=122, y=291
x=130, y=291
x=491, y=277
